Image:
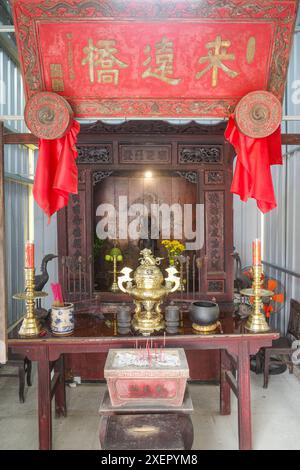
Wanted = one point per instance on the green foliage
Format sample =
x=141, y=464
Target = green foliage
x=98, y=245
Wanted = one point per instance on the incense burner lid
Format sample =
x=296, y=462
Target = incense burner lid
x=148, y=275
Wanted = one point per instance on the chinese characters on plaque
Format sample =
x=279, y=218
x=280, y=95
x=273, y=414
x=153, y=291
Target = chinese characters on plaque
x=103, y=61
x=127, y=68
x=103, y=57
x=135, y=59
x=215, y=57
x=164, y=58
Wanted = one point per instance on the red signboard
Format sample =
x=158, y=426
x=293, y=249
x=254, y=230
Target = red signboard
x=149, y=58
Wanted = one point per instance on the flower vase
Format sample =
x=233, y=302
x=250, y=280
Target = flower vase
x=173, y=261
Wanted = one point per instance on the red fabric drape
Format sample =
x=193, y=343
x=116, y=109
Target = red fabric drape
x=252, y=177
x=56, y=174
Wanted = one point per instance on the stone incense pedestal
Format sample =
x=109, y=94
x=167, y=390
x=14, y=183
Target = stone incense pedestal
x=140, y=427
x=149, y=376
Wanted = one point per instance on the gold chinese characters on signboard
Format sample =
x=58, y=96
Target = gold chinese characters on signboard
x=216, y=55
x=164, y=58
x=103, y=56
x=104, y=62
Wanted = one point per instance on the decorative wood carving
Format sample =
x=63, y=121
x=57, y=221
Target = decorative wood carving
x=214, y=209
x=48, y=115
x=258, y=114
x=79, y=222
x=268, y=22
x=100, y=175
x=214, y=177
x=152, y=127
x=216, y=286
x=81, y=175
x=76, y=230
x=200, y=154
x=160, y=154
x=191, y=176
x=94, y=154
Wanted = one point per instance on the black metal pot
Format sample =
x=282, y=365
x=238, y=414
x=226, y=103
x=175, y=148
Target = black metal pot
x=204, y=312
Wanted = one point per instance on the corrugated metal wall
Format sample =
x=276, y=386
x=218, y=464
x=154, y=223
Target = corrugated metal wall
x=12, y=98
x=16, y=162
x=16, y=219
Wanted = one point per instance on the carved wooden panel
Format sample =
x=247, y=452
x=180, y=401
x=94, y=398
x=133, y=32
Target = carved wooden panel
x=200, y=154
x=94, y=154
x=76, y=219
x=100, y=175
x=57, y=40
x=216, y=286
x=81, y=175
x=214, y=177
x=160, y=154
x=152, y=127
x=214, y=210
x=191, y=176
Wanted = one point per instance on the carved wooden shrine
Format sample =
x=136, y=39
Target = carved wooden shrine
x=194, y=152
x=199, y=153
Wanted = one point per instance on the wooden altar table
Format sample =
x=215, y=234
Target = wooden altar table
x=94, y=334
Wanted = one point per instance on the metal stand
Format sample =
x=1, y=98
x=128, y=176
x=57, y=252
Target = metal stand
x=257, y=322
x=30, y=326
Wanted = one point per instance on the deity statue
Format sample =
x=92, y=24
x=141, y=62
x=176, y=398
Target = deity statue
x=146, y=241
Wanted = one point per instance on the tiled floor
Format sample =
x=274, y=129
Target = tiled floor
x=275, y=415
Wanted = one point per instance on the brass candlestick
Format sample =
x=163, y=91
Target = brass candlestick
x=30, y=326
x=257, y=322
x=114, y=256
x=115, y=287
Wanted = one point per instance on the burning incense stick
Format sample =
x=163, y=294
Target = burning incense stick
x=57, y=295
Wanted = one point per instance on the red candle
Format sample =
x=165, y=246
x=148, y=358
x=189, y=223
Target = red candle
x=29, y=255
x=256, y=252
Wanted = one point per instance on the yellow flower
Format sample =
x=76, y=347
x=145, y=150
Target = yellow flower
x=174, y=247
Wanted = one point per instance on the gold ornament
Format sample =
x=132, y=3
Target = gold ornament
x=30, y=326
x=148, y=288
x=256, y=322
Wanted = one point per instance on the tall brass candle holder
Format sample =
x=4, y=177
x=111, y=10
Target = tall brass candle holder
x=115, y=256
x=256, y=321
x=30, y=326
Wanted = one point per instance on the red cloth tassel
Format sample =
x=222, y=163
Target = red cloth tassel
x=252, y=177
x=56, y=173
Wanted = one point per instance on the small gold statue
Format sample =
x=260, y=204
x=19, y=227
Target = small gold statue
x=148, y=288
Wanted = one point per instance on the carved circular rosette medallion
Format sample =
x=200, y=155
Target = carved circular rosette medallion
x=48, y=115
x=258, y=114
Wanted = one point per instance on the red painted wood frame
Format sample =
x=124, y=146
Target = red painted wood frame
x=235, y=351
x=164, y=58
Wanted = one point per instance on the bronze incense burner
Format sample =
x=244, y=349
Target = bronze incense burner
x=148, y=289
